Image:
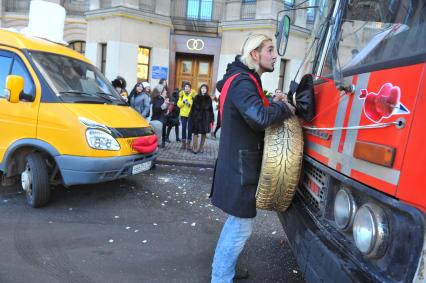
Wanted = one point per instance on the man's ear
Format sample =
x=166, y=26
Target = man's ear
x=255, y=55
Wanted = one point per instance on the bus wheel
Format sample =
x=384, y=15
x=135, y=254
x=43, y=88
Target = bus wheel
x=35, y=180
x=281, y=165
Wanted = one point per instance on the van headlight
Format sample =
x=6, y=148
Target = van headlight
x=371, y=230
x=344, y=209
x=99, y=139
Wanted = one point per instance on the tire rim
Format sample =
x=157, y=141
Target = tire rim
x=27, y=179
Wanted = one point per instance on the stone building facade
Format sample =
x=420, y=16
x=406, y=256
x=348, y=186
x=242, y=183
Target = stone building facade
x=181, y=40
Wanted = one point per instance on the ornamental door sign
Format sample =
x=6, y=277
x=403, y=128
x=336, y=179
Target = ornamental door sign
x=194, y=44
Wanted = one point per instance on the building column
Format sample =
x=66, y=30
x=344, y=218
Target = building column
x=134, y=4
x=121, y=60
x=1, y=13
x=233, y=10
x=162, y=7
x=94, y=4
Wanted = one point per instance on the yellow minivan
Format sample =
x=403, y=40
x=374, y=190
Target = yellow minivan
x=61, y=121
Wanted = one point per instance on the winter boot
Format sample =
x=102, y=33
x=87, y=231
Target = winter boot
x=177, y=133
x=203, y=140
x=195, y=144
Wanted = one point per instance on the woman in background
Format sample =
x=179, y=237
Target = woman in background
x=201, y=117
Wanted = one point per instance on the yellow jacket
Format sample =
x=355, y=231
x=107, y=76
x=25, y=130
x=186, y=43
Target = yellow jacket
x=185, y=108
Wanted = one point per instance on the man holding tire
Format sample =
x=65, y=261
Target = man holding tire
x=246, y=113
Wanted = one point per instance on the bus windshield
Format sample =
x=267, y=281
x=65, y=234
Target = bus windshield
x=378, y=34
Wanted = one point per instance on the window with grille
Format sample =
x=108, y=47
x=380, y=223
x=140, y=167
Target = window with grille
x=199, y=9
x=248, y=9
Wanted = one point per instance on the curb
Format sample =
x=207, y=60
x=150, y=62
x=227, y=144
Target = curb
x=183, y=163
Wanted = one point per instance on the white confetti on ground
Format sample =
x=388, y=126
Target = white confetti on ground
x=155, y=224
x=136, y=230
x=217, y=219
x=193, y=224
x=184, y=222
x=127, y=228
x=144, y=241
x=163, y=204
x=273, y=233
x=295, y=271
x=116, y=217
x=111, y=241
x=50, y=222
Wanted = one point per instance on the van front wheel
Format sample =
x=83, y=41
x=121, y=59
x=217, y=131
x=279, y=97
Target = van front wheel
x=35, y=180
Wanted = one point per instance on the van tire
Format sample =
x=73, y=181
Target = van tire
x=35, y=180
x=281, y=165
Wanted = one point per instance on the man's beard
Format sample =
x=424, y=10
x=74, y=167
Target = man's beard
x=265, y=68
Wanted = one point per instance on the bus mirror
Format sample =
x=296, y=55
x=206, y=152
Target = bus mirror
x=283, y=32
x=15, y=85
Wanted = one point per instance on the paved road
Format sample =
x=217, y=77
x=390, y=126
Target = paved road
x=157, y=227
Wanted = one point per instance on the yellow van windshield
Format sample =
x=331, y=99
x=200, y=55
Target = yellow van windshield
x=74, y=80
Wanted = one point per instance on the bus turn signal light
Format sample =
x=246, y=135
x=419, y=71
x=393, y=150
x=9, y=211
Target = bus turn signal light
x=375, y=153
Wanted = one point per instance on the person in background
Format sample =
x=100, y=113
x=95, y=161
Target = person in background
x=156, y=91
x=173, y=116
x=186, y=97
x=201, y=117
x=160, y=106
x=246, y=114
x=119, y=84
x=278, y=92
x=218, y=121
x=139, y=99
x=163, y=82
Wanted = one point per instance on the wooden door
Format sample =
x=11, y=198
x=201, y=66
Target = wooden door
x=195, y=69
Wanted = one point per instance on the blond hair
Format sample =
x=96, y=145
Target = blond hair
x=253, y=42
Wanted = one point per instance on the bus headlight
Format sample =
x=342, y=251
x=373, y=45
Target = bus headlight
x=99, y=139
x=370, y=230
x=344, y=209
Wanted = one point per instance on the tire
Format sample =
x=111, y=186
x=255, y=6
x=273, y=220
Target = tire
x=281, y=165
x=35, y=180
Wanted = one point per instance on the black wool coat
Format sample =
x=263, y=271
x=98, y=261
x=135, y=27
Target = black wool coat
x=244, y=120
x=158, y=113
x=201, y=115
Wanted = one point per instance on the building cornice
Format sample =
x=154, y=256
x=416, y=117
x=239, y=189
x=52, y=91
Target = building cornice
x=19, y=16
x=246, y=25
x=259, y=24
x=129, y=13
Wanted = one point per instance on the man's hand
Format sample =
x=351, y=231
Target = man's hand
x=283, y=98
x=280, y=97
x=291, y=107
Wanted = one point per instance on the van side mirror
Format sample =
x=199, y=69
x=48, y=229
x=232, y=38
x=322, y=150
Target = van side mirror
x=283, y=32
x=14, y=85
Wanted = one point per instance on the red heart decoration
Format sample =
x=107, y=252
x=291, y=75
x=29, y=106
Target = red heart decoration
x=382, y=104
